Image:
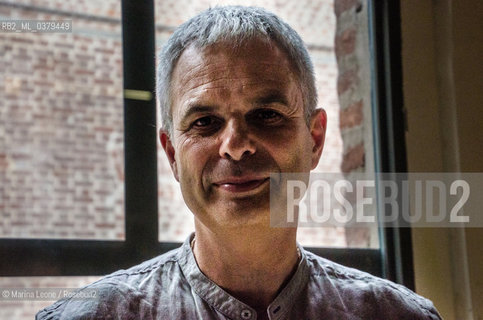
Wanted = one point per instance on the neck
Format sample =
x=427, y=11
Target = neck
x=252, y=265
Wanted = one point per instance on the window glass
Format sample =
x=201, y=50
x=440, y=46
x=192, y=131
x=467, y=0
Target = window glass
x=61, y=131
x=61, y=120
x=335, y=33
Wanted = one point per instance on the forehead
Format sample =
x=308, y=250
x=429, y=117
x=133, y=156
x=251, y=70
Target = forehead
x=255, y=64
x=254, y=50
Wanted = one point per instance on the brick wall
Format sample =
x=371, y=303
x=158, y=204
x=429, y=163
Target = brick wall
x=61, y=134
x=353, y=89
x=348, y=83
x=61, y=128
x=94, y=8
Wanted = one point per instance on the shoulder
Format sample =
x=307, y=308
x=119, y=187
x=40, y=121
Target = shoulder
x=122, y=292
x=366, y=295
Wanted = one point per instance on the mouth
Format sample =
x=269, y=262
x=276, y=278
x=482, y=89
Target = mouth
x=239, y=185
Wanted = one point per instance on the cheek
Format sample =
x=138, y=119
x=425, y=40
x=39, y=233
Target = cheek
x=292, y=152
x=192, y=157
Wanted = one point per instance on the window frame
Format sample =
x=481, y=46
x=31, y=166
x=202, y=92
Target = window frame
x=390, y=123
x=59, y=257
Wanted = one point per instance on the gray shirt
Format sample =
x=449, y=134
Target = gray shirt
x=172, y=286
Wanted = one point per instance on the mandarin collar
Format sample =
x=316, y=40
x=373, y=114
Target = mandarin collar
x=229, y=305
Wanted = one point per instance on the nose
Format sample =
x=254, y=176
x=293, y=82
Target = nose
x=236, y=143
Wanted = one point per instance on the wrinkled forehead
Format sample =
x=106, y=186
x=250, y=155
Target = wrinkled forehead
x=253, y=60
x=261, y=51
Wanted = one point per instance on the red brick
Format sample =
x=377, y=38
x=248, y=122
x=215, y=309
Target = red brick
x=351, y=116
x=353, y=159
x=21, y=40
x=345, y=42
x=347, y=80
x=84, y=234
x=20, y=223
x=357, y=237
x=105, y=225
x=341, y=6
x=64, y=224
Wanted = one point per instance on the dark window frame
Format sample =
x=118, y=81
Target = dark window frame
x=39, y=257
x=390, y=126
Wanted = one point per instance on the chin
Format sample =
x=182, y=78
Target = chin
x=240, y=214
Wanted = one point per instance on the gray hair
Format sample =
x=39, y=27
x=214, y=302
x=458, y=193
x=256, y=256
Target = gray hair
x=236, y=25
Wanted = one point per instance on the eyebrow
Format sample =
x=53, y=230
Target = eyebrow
x=268, y=98
x=196, y=108
x=272, y=97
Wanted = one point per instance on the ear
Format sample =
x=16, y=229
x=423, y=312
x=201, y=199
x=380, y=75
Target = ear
x=318, y=126
x=169, y=150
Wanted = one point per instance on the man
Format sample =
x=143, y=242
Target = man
x=237, y=97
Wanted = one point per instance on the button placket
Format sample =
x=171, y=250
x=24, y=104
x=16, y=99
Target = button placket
x=246, y=314
x=276, y=310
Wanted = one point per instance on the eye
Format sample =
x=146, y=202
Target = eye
x=268, y=116
x=203, y=122
x=206, y=124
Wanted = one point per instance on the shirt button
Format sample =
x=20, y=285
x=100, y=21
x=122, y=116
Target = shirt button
x=246, y=314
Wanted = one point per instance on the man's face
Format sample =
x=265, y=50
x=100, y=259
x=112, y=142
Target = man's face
x=237, y=117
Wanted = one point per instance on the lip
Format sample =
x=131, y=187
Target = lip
x=240, y=184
